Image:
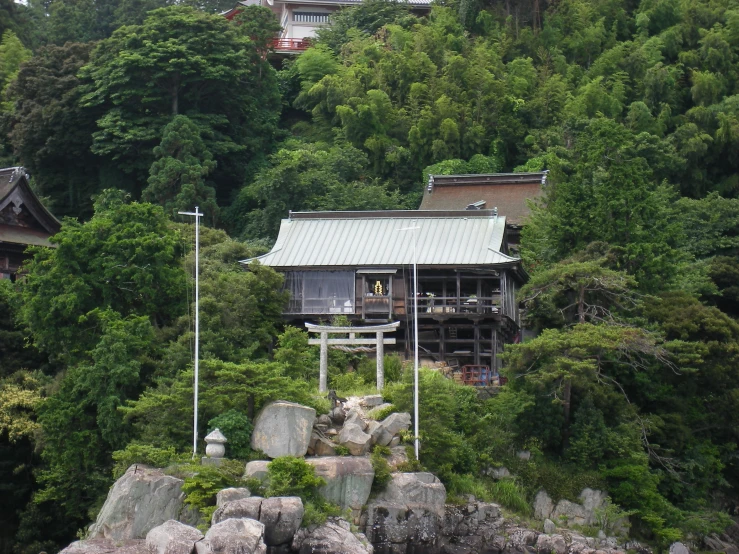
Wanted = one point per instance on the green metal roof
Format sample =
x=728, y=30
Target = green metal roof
x=365, y=239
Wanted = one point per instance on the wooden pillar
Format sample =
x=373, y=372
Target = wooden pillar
x=380, y=361
x=476, y=349
x=323, y=375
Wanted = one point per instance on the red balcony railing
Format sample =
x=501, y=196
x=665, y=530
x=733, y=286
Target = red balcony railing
x=290, y=44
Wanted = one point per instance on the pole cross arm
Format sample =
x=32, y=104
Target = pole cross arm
x=385, y=327
x=316, y=342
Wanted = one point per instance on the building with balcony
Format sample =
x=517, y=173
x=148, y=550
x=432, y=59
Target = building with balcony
x=300, y=19
x=507, y=193
x=24, y=221
x=359, y=264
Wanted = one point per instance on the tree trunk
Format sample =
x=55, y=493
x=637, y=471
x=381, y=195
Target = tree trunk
x=567, y=395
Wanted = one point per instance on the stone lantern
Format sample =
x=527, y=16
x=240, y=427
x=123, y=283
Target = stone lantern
x=215, y=448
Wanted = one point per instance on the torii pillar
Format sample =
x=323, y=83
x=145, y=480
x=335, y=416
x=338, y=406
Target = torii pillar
x=379, y=341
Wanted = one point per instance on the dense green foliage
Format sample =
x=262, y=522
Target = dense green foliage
x=630, y=383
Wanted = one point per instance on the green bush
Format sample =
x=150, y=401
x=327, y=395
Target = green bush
x=350, y=384
x=560, y=480
x=237, y=428
x=381, y=414
x=508, y=493
x=393, y=366
x=202, y=483
x=460, y=486
x=383, y=474
x=341, y=450
x=291, y=476
x=136, y=453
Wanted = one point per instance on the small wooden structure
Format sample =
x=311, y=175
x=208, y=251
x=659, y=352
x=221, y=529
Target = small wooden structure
x=24, y=221
x=379, y=341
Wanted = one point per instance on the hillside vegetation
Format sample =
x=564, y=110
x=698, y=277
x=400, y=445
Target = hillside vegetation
x=126, y=112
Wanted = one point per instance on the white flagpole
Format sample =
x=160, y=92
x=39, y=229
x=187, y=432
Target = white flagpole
x=197, y=216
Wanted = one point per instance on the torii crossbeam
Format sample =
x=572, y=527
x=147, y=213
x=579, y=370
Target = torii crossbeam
x=324, y=342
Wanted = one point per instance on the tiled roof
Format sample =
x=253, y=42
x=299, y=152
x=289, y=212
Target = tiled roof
x=15, y=188
x=506, y=191
x=361, y=239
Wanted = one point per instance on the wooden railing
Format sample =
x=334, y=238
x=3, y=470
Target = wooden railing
x=290, y=44
x=457, y=304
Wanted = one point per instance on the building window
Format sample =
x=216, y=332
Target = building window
x=320, y=292
x=310, y=17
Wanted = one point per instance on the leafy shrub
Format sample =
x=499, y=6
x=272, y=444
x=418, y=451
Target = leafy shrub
x=379, y=415
x=136, y=453
x=291, y=476
x=561, y=481
x=341, y=450
x=237, y=428
x=317, y=511
x=383, y=474
x=202, y=483
x=459, y=486
x=411, y=466
x=511, y=495
x=393, y=366
x=350, y=384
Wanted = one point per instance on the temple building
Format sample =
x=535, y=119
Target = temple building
x=360, y=265
x=24, y=221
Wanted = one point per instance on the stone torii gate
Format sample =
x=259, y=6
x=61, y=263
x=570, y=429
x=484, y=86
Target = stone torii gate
x=378, y=341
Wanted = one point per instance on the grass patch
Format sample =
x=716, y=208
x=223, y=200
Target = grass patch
x=510, y=494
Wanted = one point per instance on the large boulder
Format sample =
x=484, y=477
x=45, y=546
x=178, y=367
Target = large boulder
x=281, y=516
x=172, y=537
x=569, y=513
x=543, y=505
x=355, y=439
x=257, y=469
x=551, y=544
x=229, y=495
x=333, y=537
x=143, y=498
x=395, y=423
x=348, y=480
x=244, y=507
x=409, y=511
x=283, y=429
x=398, y=455
x=234, y=536
x=107, y=546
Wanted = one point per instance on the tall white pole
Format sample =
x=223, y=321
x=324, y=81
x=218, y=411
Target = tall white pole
x=415, y=346
x=197, y=215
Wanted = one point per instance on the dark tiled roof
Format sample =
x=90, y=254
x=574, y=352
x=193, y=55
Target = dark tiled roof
x=506, y=191
x=14, y=187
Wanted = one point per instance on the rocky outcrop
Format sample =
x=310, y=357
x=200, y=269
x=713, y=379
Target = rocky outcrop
x=172, y=537
x=567, y=513
x=107, y=546
x=283, y=429
x=140, y=500
x=410, y=511
x=229, y=495
x=348, y=480
x=256, y=469
x=280, y=515
x=245, y=507
x=234, y=536
x=398, y=455
x=355, y=439
x=333, y=537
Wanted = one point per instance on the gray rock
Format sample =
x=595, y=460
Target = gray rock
x=379, y=434
x=543, y=505
x=498, y=472
x=524, y=455
x=281, y=516
x=371, y=401
x=140, y=500
x=398, y=455
x=324, y=419
x=357, y=441
x=679, y=548
x=257, y=470
x=234, y=536
x=107, y=546
x=591, y=501
x=246, y=507
x=570, y=513
x=409, y=511
x=377, y=409
x=331, y=538
x=395, y=441
x=395, y=423
x=348, y=480
x=549, y=526
x=338, y=415
x=354, y=417
x=172, y=537
x=551, y=544
x=324, y=447
x=283, y=429
x=229, y=495
x=372, y=429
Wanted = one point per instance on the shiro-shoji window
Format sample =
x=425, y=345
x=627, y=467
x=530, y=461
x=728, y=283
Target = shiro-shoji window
x=320, y=292
x=310, y=17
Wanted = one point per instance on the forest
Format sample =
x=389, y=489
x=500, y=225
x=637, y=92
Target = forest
x=127, y=111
